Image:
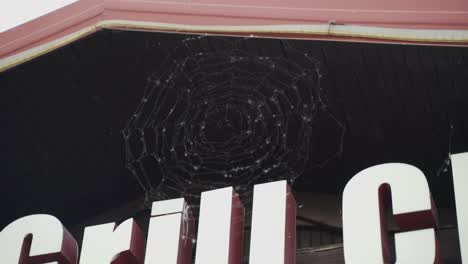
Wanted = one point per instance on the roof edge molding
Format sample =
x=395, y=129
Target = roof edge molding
x=85, y=17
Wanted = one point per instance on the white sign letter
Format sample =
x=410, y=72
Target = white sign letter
x=364, y=224
x=37, y=239
x=460, y=185
x=170, y=233
x=273, y=237
x=221, y=227
x=108, y=243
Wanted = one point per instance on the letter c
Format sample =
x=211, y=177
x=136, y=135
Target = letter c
x=37, y=239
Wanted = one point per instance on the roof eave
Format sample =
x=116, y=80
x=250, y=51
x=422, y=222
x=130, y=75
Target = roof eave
x=85, y=17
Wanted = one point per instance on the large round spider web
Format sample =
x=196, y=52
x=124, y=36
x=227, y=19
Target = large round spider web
x=219, y=115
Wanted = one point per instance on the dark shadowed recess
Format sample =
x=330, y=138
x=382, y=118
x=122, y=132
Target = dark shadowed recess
x=63, y=153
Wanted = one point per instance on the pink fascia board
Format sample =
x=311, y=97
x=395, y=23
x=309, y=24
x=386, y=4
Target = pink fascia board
x=436, y=15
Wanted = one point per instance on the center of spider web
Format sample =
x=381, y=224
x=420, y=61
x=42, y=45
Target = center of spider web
x=224, y=124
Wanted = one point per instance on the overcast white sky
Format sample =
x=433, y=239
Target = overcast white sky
x=17, y=12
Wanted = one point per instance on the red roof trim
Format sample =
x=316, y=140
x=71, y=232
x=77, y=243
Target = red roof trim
x=85, y=13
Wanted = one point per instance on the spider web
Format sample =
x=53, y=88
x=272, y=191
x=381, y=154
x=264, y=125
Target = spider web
x=216, y=114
